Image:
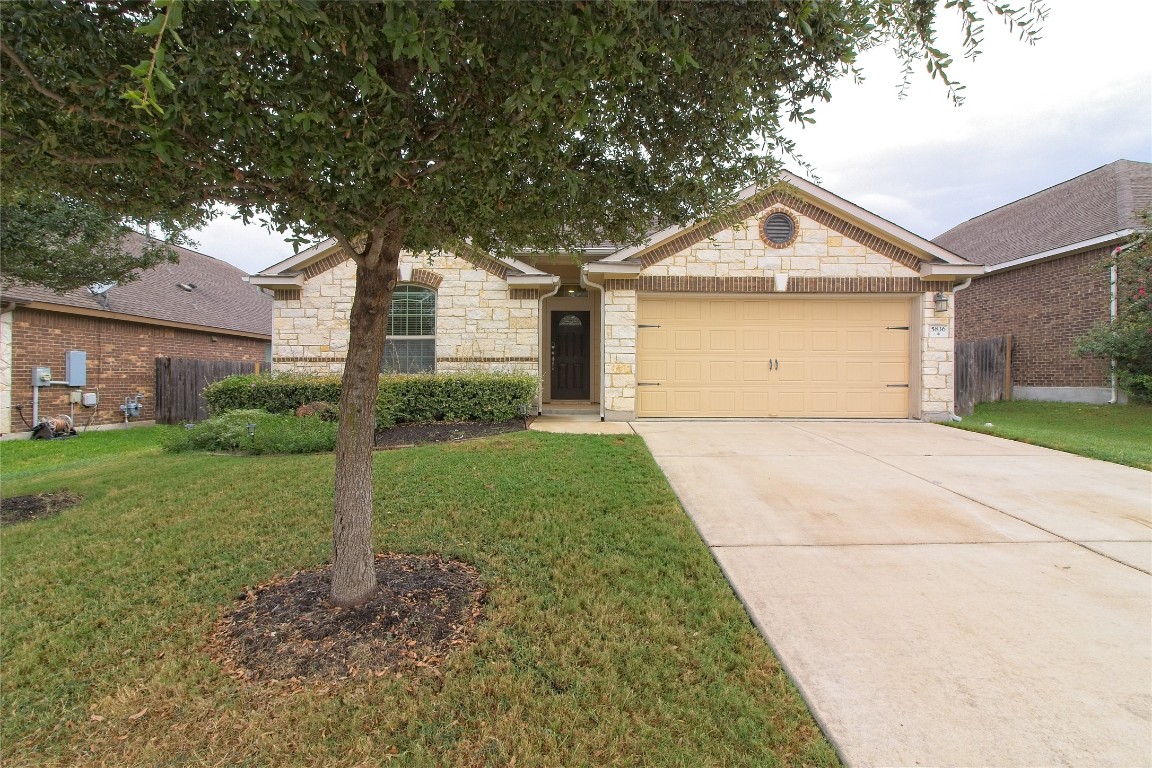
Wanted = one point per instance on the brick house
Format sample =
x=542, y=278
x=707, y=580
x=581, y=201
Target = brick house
x=1043, y=284
x=198, y=308
x=810, y=306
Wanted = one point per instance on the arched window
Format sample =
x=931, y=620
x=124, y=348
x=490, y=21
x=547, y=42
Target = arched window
x=411, y=343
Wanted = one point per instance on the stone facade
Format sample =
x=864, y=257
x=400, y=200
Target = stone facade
x=482, y=323
x=479, y=323
x=816, y=252
x=819, y=260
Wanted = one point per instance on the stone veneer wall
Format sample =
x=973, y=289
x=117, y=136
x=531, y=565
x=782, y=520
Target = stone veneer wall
x=736, y=259
x=479, y=325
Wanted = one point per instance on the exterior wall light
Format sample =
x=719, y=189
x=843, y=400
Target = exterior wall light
x=941, y=299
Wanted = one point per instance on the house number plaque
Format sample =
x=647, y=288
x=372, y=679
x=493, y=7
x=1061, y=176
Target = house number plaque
x=937, y=331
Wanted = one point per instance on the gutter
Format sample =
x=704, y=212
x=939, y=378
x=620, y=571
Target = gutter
x=1064, y=250
x=584, y=281
x=1113, y=311
x=540, y=341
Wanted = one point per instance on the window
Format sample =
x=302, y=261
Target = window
x=778, y=230
x=411, y=343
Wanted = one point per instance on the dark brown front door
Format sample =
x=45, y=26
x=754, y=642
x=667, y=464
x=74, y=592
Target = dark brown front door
x=570, y=379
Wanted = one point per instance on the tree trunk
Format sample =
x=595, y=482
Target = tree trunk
x=353, y=561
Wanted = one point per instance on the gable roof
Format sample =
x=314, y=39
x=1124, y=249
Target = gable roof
x=830, y=209
x=861, y=225
x=220, y=299
x=1089, y=208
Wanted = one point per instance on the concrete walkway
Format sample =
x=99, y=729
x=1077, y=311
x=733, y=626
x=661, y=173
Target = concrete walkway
x=940, y=597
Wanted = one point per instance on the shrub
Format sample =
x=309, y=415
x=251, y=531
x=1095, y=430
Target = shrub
x=275, y=433
x=408, y=398
x=1127, y=339
x=453, y=397
x=276, y=393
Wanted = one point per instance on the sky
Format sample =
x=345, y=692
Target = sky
x=1033, y=116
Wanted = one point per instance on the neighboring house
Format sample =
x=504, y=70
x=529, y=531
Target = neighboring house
x=692, y=323
x=1043, y=283
x=199, y=308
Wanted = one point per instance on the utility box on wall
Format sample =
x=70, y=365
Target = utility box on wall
x=76, y=368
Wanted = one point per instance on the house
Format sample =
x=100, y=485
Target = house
x=198, y=308
x=810, y=307
x=1043, y=284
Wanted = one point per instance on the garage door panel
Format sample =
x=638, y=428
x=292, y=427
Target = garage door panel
x=790, y=341
x=774, y=357
x=722, y=340
x=860, y=341
x=722, y=372
x=755, y=371
x=687, y=340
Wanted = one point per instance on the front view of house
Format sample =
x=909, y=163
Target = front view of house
x=809, y=307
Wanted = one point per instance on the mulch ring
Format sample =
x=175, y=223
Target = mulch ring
x=286, y=631
x=408, y=435
x=19, y=509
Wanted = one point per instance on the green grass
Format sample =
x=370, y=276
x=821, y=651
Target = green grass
x=611, y=637
x=1121, y=434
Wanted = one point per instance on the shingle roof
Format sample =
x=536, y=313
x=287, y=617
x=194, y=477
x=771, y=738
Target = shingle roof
x=220, y=299
x=1097, y=203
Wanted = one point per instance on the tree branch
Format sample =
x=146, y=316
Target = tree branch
x=63, y=102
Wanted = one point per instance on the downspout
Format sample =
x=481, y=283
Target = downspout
x=540, y=341
x=955, y=290
x=1113, y=311
x=584, y=281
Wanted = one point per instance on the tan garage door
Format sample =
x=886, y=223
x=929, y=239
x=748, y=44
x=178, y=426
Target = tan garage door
x=719, y=357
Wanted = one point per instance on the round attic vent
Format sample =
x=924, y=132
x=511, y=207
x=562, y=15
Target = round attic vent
x=778, y=230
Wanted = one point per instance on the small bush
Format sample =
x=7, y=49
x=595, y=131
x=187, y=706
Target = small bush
x=453, y=397
x=412, y=398
x=277, y=393
x=275, y=433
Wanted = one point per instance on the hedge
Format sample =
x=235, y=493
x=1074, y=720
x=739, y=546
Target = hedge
x=410, y=398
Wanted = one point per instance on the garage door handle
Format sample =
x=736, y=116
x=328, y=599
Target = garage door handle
x=896, y=328
x=897, y=385
x=647, y=383
x=647, y=326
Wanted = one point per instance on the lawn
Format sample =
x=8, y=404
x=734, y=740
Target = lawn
x=1118, y=433
x=611, y=637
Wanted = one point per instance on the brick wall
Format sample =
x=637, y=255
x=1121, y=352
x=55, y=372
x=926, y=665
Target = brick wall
x=1045, y=308
x=121, y=360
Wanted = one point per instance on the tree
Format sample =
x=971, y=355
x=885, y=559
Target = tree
x=431, y=126
x=1127, y=338
x=63, y=243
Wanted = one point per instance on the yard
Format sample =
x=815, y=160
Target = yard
x=610, y=636
x=1121, y=434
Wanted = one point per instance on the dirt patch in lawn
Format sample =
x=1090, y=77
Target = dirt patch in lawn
x=286, y=630
x=19, y=509
x=408, y=435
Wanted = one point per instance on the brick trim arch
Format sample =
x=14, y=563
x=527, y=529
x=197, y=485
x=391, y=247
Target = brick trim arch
x=426, y=278
x=778, y=201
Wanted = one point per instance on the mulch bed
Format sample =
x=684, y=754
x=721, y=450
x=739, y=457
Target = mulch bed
x=19, y=509
x=408, y=435
x=286, y=631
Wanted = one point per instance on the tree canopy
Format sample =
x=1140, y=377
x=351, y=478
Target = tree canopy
x=63, y=243
x=418, y=125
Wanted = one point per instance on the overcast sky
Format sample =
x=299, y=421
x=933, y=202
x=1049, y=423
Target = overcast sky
x=1033, y=116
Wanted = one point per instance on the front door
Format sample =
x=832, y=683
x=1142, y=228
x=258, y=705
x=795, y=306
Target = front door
x=570, y=377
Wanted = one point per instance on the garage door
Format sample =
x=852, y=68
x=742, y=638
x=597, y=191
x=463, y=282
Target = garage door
x=739, y=357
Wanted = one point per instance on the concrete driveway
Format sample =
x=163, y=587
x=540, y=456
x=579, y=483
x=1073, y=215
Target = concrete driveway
x=940, y=597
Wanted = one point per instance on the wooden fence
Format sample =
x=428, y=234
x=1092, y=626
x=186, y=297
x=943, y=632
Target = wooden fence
x=983, y=372
x=180, y=383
